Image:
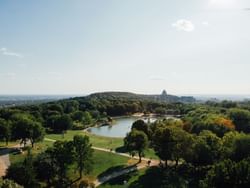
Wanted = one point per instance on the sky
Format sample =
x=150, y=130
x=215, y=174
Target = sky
x=141, y=46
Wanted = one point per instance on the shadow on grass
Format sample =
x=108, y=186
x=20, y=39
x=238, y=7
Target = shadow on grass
x=151, y=178
x=160, y=177
x=121, y=149
x=121, y=180
x=111, y=170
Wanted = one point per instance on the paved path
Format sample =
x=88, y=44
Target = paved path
x=5, y=158
x=4, y=161
x=3, y=167
x=126, y=170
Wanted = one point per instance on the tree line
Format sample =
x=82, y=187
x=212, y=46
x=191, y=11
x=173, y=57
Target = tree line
x=206, y=148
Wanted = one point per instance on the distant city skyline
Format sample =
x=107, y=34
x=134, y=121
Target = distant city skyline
x=79, y=47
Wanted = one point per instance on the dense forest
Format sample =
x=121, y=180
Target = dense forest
x=208, y=145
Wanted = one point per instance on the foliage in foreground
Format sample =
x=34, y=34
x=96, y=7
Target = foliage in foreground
x=53, y=164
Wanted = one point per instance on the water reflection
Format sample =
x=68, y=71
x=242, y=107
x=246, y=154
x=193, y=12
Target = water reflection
x=119, y=128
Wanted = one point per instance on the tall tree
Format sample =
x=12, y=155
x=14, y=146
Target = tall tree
x=37, y=133
x=23, y=173
x=62, y=153
x=241, y=119
x=26, y=129
x=207, y=149
x=21, y=129
x=172, y=143
x=140, y=125
x=83, y=153
x=4, y=131
x=45, y=167
x=136, y=141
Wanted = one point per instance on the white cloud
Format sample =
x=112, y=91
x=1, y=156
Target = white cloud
x=184, y=25
x=5, y=51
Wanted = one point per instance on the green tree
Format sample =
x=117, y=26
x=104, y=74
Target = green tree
x=77, y=116
x=229, y=174
x=140, y=125
x=23, y=173
x=26, y=129
x=182, y=145
x=6, y=183
x=241, y=119
x=21, y=129
x=172, y=143
x=61, y=124
x=207, y=149
x=241, y=147
x=45, y=168
x=136, y=141
x=37, y=133
x=87, y=118
x=83, y=153
x=161, y=143
x=4, y=131
x=62, y=154
x=160, y=110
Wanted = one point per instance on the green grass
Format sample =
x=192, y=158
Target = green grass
x=150, y=153
x=97, y=141
x=103, y=162
x=38, y=148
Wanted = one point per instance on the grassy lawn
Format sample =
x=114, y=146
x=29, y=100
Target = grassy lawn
x=38, y=148
x=98, y=141
x=103, y=163
x=150, y=153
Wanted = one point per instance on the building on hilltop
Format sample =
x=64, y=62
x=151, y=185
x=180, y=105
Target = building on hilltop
x=164, y=96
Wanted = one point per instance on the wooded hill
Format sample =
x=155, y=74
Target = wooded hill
x=127, y=95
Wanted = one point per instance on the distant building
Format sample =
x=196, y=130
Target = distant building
x=164, y=95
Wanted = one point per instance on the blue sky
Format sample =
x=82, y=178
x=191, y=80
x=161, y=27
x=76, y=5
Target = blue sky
x=142, y=46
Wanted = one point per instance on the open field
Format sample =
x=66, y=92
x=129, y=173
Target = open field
x=98, y=141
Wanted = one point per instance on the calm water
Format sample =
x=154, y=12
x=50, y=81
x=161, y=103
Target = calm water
x=119, y=128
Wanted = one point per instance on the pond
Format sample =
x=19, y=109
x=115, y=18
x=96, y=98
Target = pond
x=119, y=128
